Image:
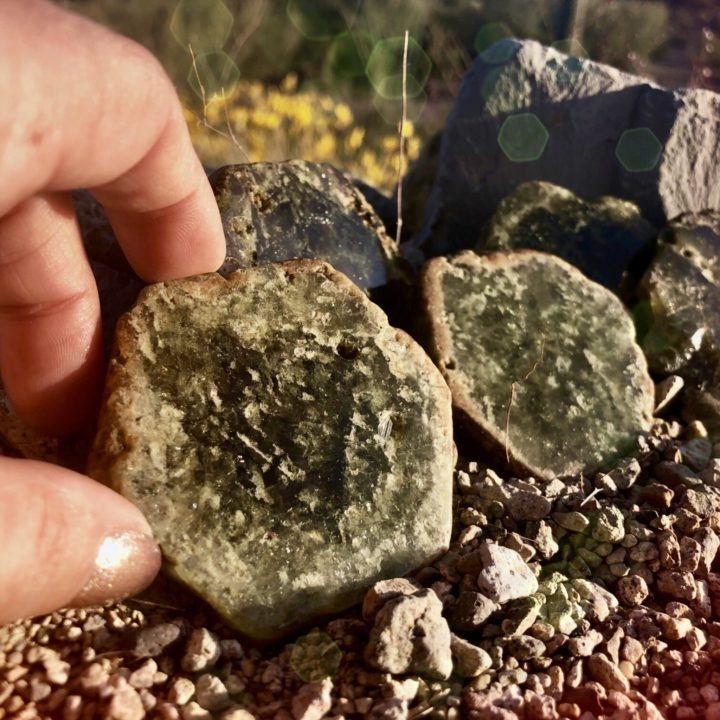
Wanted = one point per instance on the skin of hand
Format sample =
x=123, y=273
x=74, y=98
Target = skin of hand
x=82, y=107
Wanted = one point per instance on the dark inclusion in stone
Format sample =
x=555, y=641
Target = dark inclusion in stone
x=273, y=212
x=288, y=447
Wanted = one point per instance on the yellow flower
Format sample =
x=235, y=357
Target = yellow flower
x=344, y=116
x=355, y=138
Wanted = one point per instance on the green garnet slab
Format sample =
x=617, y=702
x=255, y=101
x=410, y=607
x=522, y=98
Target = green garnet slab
x=288, y=447
x=542, y=362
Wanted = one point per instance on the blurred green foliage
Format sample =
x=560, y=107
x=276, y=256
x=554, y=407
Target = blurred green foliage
x=348, y=49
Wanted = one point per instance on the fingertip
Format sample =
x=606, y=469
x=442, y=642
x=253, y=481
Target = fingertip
x=72, y=540
x=125, y=564
x=183, y=239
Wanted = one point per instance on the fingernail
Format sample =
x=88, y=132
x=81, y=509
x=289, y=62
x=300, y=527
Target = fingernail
x=125, y=564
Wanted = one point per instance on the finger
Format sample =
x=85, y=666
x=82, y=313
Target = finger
x=67, y=540
x=106, y=118
x=50, y=334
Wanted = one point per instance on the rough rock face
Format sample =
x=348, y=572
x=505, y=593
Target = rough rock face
x=287, y=445
x=682, y=290
x=541, y=362
x=410, y=634
x=281, y=211
x=600, y=237
x=528, y=112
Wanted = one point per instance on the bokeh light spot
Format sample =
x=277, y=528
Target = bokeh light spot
x=391, y=110
x=213, y=74
x=315, y=656
x=384, y=68
x=523, y=137
x=638, y=149
x=347, y=55
x=202, y=24
x=321, y=21
x=487, y=36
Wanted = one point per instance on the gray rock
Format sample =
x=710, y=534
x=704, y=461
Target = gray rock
x=526, y=505
x=471, y=610
x=411, y=635
x=295, y=209
x=600, y=237
x=287, y=445
x=607, y=673
x=505, y=575
x=542, y=362
x=608, y=525
x=527, y=112
x=153, y=641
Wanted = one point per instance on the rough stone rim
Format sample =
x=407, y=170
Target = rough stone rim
x=441, y=349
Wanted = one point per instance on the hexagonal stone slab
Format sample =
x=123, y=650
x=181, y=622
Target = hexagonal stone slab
x=604, y=238
x=288, y=446
x=282, y=211
x=542, y=362
x=608, y=133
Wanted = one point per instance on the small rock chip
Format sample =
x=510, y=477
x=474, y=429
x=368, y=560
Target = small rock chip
x=584, y=645
x=505, y=575
x=390, y=709
x=666, y=391
x=574, y=521
x=385, y=590
x=471, y=610
x=524, y=505
x=305, y=458
x=411, y=635
x=181, y=691
x=709, y=546
x=144, y=676
x=609, y=675
x=153, y=641
x=211, y=693
x=632, y=590
x=696, y=453
x=542, y=362
x=679, y=585
x=313, y=700
x=608, y=525
x=125, y=704
x=201, y=652
x=470, y=660
x=236, y=713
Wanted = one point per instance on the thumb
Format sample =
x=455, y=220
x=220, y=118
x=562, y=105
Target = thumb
x=67, y=540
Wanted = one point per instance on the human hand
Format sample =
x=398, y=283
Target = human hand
x=82, y=107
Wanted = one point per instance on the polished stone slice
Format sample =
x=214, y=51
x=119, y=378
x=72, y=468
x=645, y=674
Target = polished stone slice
x=600, y=237
x=542, y=362
x=295, y=209
x=288, y=446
